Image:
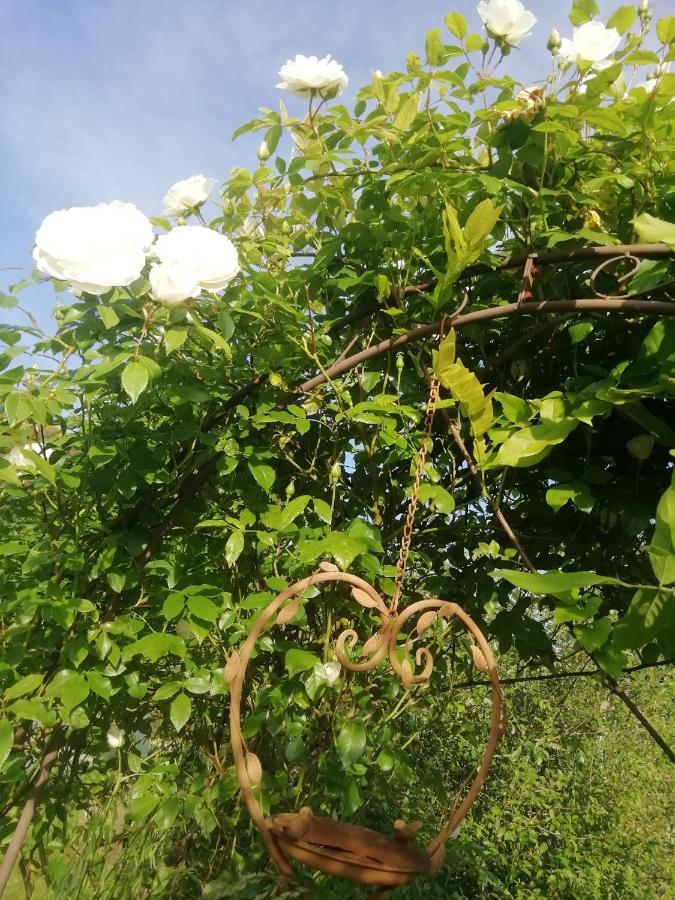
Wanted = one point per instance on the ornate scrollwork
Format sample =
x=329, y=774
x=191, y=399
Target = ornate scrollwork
x=336, y=847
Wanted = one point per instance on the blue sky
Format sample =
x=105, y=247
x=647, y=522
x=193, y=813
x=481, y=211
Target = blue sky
x=119, y=99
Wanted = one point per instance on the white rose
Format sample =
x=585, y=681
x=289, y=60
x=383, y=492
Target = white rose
x=19, y=460
x=307, y=74
x=329, y=671
x=506, y=20
x=16, y=458
x=187, y=194
x=94, y=248
x=591, y=42
x=192, y=258
x=172, y=284
x=115, y=736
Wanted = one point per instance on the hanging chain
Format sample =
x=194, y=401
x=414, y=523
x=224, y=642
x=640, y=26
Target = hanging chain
x=434, y=388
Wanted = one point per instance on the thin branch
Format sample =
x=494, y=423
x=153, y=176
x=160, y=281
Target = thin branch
x=552, y=676
x=510, y=533
x=28, y=811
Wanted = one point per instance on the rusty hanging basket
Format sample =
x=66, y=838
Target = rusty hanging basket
x=339, y=848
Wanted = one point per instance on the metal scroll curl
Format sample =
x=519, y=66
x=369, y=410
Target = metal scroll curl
x=339, y=848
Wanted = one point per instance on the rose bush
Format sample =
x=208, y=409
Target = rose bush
x=196, y=458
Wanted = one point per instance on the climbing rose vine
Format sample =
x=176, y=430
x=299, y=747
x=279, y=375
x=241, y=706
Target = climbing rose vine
x=234, y=392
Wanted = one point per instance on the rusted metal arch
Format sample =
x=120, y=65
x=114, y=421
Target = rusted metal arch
x=599, y=252
x=641, y=307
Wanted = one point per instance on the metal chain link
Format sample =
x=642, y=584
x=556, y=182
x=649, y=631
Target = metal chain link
x=434, y=388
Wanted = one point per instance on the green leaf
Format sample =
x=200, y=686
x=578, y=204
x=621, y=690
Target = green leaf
x=662, y=548
x=108, y=316
x=582, y=11
x=456, y=23
x=443, y=501
x=475, y=42
x=167, y=813
x=153, y=646
x=166, y=690
x=665, y=29
x=17, y=407
x=140, y=807
x=174, y=338
x=553, y=582
x=71, y=689
x=263, y=474
x=100, y=455
x=610, y=660
x=173, y=606
x=530, y=445
x=272, y=136
x=351, y=742
x=30, y=709
x=344, y=548
x=233, y=547
x=580, y=331
x=641, y=446
x=322, y=509
x=434, y=46
x=100, y=684
x=514, y=408
x=23, y=686
x=578, y=492
x=592, y=637
x=299, y=661
x=468, y=392
x=622, y=18
x=443, y=359
x=203, y=607
x=407, y=113
x=653, y=231
x=180, y=711
x=41, y=464
x=12, y=548
x=479, y=225
x=649, y=612
x=135, y=380
x=6, y=740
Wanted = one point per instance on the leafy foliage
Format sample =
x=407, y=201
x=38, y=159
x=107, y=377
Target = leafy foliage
x=164, y=477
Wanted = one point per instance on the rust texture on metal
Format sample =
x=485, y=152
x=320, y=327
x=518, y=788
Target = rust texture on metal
x=339, y=848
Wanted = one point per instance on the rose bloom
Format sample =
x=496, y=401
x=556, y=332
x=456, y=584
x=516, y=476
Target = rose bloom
x=187, y=194
x=94, y=248
x=506, y=20
x=308, y=74
x=115, y=736
x=192, y=259
x=591, y=42
x=16, y=456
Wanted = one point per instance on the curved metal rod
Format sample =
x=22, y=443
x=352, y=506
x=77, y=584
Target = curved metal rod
x=390, y=631
x=236, y=686
x=620, y=280
x=650, y=307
